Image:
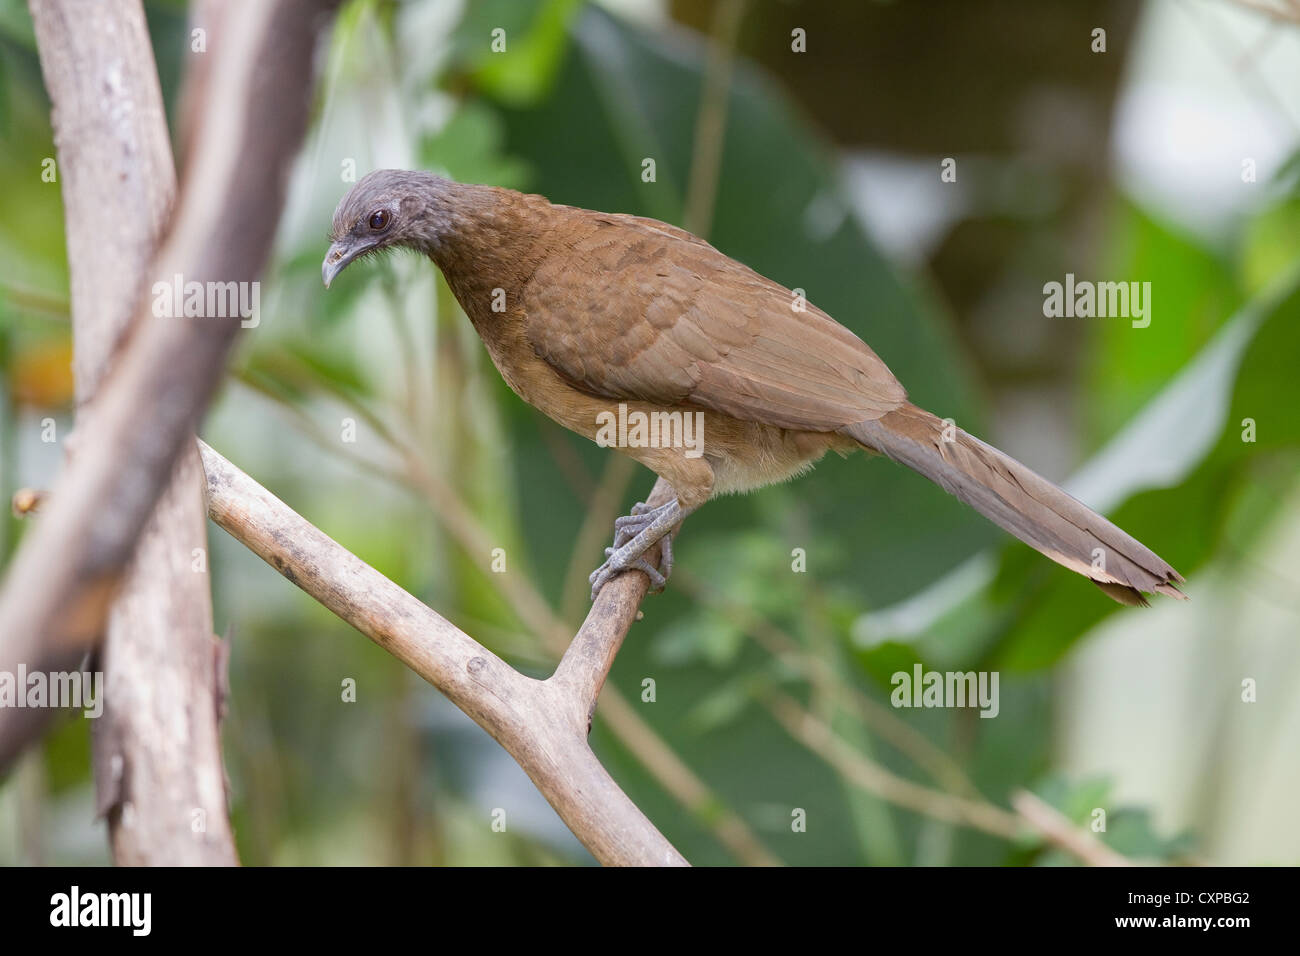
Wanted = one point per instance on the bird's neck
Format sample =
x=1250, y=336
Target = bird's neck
x=490, y=242
x=471, y=219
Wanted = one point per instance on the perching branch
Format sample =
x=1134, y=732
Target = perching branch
x=627, y=725
x=620, y=716
x=542, y=724
x=591, y=653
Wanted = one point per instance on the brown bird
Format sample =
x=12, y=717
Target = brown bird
x=584, y=312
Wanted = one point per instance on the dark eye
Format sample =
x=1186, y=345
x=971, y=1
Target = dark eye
x=379, y=219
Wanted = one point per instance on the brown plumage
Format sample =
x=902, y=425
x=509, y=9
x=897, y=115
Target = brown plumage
x=581, y=311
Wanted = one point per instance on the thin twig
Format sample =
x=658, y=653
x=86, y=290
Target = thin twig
x=777, y=642
x=874, y=778
x=977, y=814
x=711, y=120
x=1063, y=832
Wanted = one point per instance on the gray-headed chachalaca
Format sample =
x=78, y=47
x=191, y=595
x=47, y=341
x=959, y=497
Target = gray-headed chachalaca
x=583, y=311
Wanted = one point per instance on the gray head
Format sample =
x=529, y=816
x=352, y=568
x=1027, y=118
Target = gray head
x=389, y=207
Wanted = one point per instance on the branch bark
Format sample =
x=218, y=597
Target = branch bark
x=156, y=747
x=542, y=724
x=252, y=112
x=590, y=655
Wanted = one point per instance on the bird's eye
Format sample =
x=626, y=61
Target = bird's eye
x=379, y=220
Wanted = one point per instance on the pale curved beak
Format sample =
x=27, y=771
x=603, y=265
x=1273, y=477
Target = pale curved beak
x=336, y=260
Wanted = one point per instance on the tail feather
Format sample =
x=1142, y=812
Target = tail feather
x=1021, y=502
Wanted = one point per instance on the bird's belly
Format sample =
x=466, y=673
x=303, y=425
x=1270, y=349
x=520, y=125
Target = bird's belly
x=700, y=452
x=749, y=455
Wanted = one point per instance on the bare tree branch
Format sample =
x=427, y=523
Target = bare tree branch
x=157, y=753
x=159, y=775
x=711, y=120
x=591, y=653
x=114, y=163
x=622, y=719
x=71, y=564
x=610, y=616
x=542, y=724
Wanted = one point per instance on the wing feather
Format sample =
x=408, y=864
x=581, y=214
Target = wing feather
x=658, y=315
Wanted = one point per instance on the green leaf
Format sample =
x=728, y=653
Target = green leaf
x=720, y=707
x=704, y=635
x=469, y=149
x=1192, y=292
x=16, y=24
x=1271, y=244
x=534, y=38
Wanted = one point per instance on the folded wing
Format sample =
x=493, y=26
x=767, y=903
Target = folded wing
x=695, y=327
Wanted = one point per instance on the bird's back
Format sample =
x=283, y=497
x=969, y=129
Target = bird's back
x=630, y=308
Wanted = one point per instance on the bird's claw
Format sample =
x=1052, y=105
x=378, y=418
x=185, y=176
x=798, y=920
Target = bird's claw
x=601, y=576
x=631, y=524
x=618, y=559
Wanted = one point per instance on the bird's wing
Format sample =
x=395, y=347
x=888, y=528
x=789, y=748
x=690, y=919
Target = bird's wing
x=634, y=309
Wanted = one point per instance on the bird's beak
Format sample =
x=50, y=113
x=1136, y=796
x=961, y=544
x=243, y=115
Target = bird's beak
x=340, y=254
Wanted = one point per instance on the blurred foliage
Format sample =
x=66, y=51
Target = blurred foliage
x=1214, y=491
x=573, y=107
x=1197, y=290
x=1128, y=830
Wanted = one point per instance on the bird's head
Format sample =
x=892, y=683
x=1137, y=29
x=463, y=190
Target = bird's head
x=387, y=208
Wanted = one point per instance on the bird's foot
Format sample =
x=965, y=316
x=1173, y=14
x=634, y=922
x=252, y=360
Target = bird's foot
x=634, y=535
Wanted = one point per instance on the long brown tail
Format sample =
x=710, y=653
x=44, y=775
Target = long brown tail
x=1020, y=501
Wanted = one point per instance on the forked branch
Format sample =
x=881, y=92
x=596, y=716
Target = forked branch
x=542, y=724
